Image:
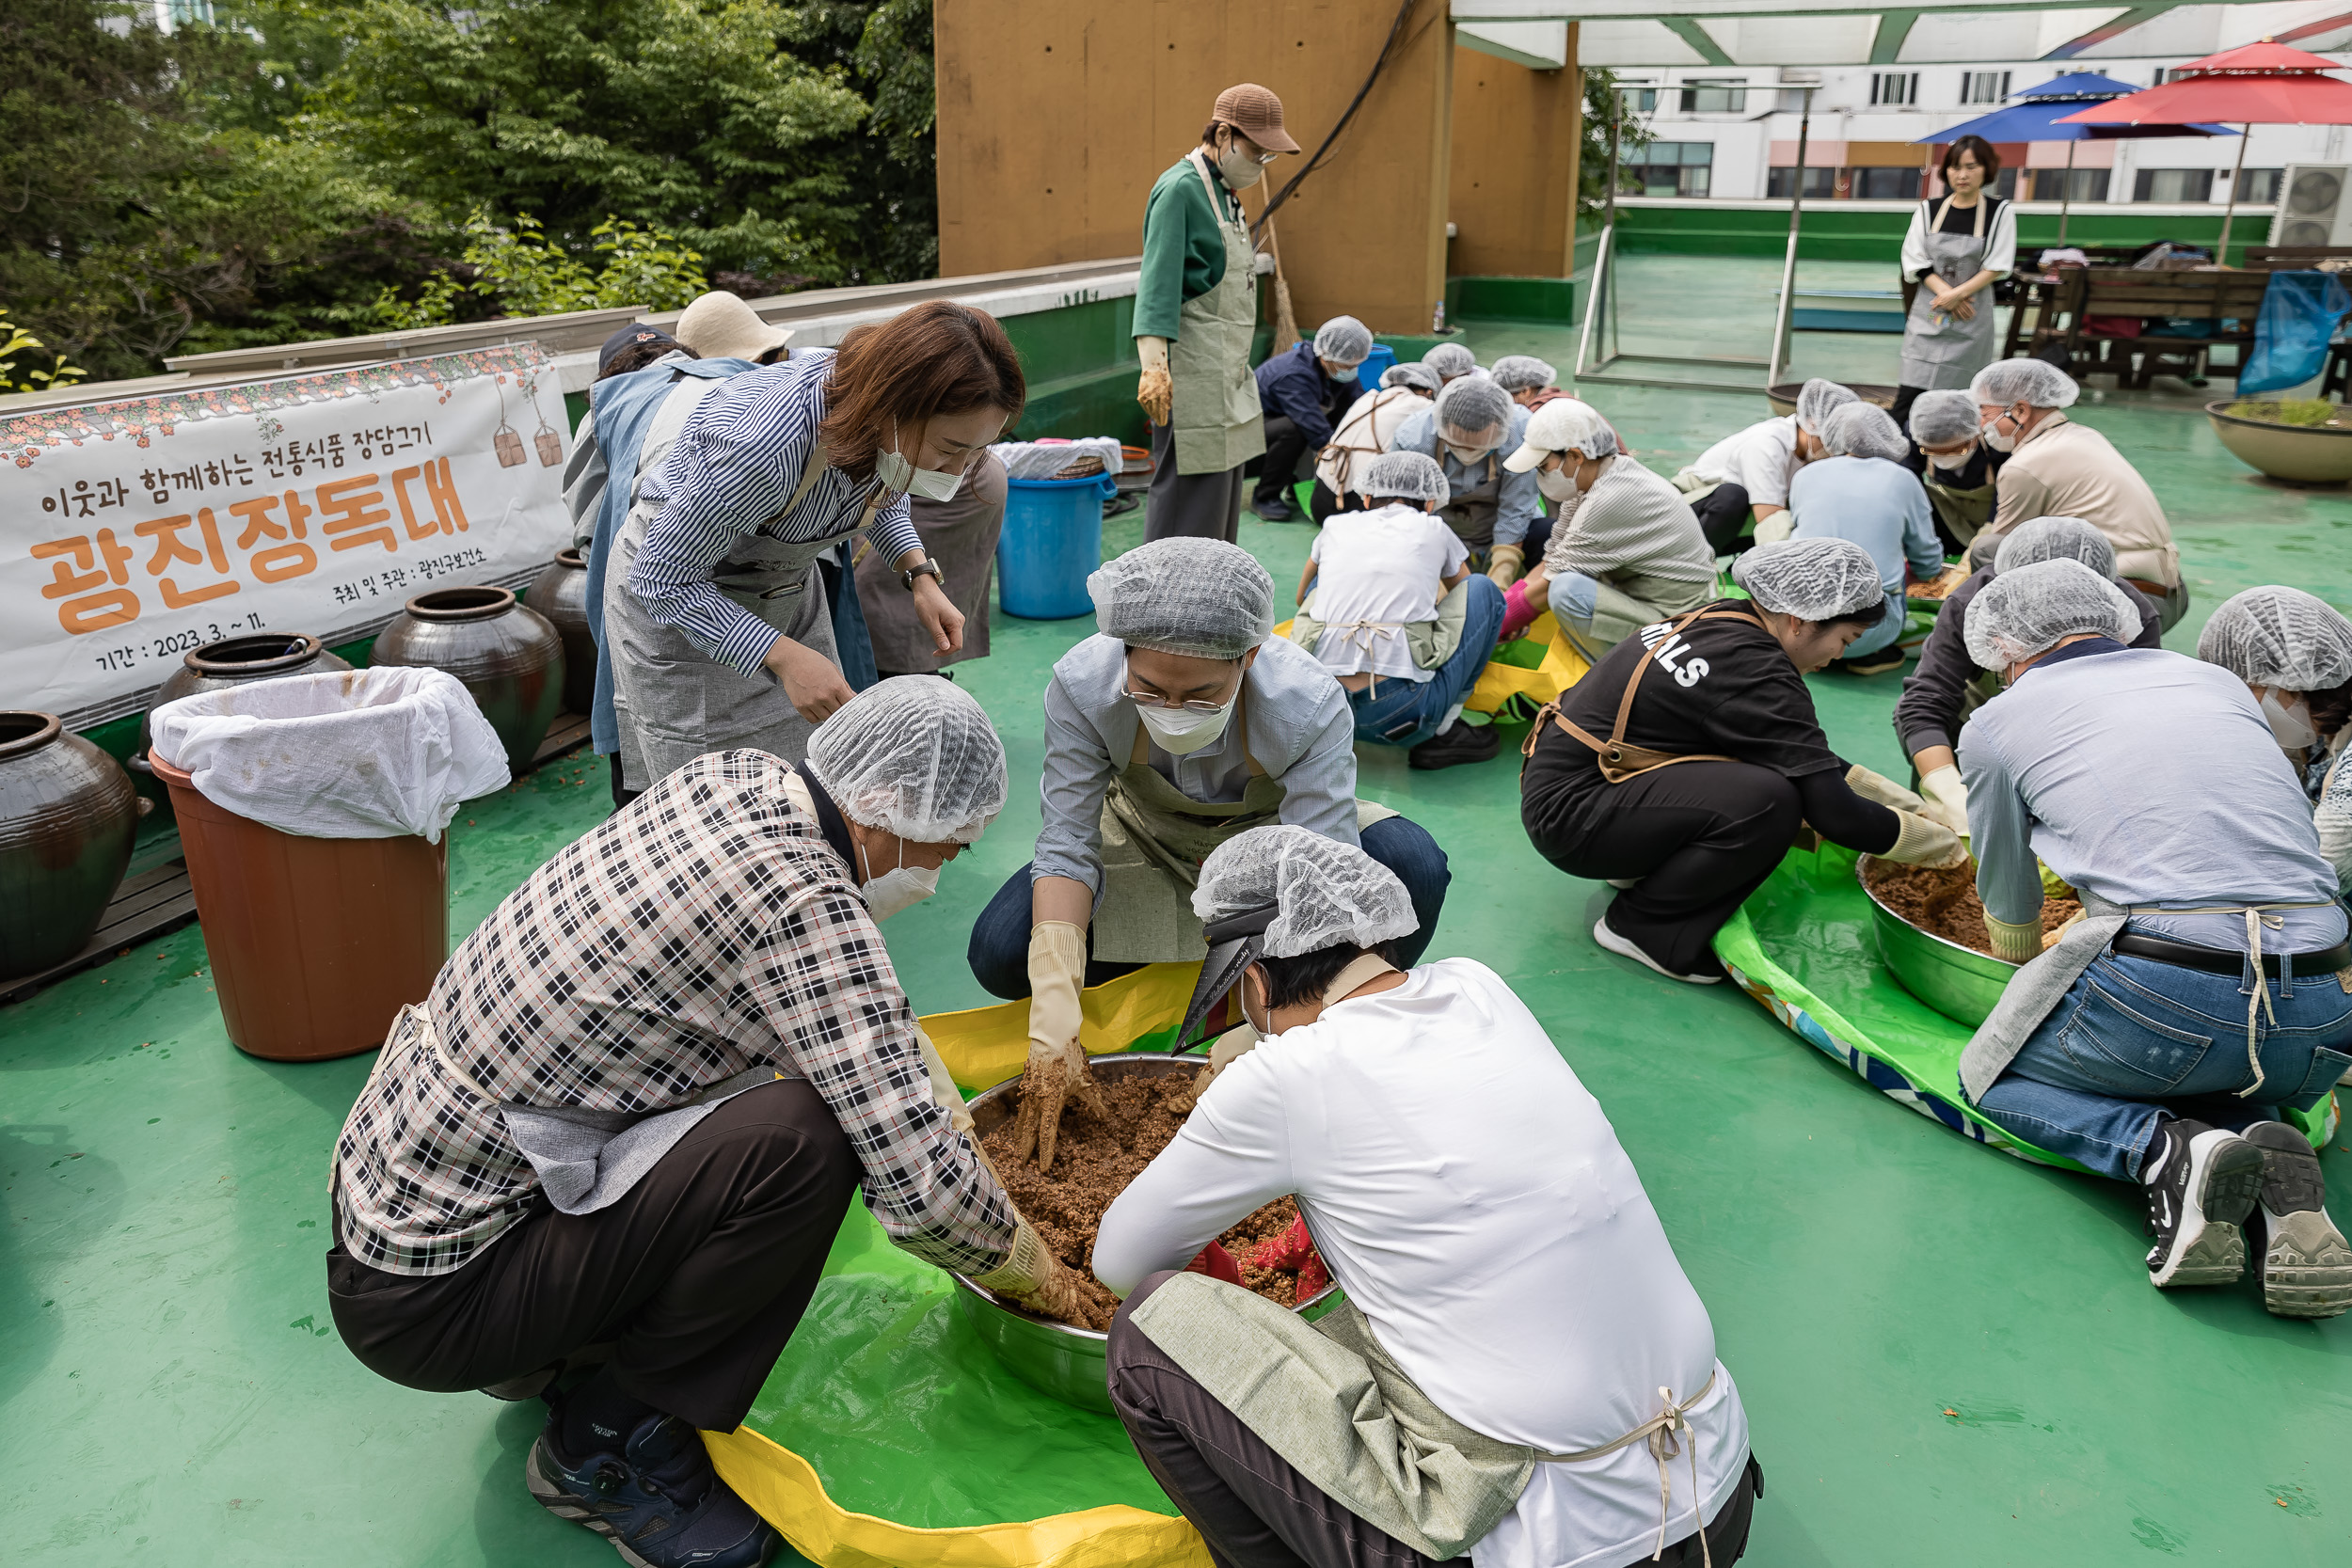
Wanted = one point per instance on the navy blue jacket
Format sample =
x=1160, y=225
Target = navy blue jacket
x=1293, y=383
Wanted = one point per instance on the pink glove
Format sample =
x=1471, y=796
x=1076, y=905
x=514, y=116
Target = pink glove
x=1517, y=615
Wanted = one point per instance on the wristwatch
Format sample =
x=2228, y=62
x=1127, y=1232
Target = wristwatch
x=923, y=568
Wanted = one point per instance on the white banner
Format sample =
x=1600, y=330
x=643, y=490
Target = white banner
x=132, y=532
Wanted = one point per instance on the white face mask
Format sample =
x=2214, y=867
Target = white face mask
x=1559, y=485
x=899, y=889
x=1180, y=730
x=2290, y=723
x=1950, y=461
x=1467, y=456
x=1240, y=169
x=1998, y=439
x=896, y=473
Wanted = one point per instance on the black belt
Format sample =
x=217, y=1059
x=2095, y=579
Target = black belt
x=2220, y=960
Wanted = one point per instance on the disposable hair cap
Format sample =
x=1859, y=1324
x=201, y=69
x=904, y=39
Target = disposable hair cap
x=2281, y=637
x=1343, y=340
x=1416, y=376
x=1522, y=372
x=1327, y=893
x=914, y=755
x=1860, y=429
x=1814, y=579
x=1470, y=404
x=2024, y=613
x=1450, y=361
x=2035, y=382
x=2055, y=538
x=1944, y=419
x=1816, y=401
x=1200, y=598
x=1412, y=475
x=1564, y=424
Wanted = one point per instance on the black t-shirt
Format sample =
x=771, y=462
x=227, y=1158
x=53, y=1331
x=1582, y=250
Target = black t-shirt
x=1721, y=686
x=1963, y=220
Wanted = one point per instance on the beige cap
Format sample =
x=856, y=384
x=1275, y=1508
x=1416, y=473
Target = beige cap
x=1564, y=424
x=1256, y=113
x=718, y=325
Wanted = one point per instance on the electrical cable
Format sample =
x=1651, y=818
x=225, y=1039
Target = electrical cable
x=1396, y=33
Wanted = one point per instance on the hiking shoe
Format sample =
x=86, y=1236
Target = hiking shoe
x=2201, y=1184
x=1625, y=947
x=1874, y=664
x=1454, y=745
x=2307, y=1268
x=657, y=1501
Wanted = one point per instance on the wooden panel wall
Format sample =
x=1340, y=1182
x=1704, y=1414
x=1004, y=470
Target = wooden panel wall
x=1517, y=137
x=1056, y=116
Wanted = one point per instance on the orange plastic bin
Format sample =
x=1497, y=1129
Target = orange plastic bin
x=316, y=943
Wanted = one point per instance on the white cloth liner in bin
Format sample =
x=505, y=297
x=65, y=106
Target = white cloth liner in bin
x=357, y=753
x=1044, y=459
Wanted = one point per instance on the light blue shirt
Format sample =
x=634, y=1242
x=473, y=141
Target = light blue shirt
x=2149, y=779
x=1880, y=505
x=1520, y=504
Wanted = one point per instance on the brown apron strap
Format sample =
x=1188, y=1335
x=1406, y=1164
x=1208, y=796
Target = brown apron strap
x=1619, y=759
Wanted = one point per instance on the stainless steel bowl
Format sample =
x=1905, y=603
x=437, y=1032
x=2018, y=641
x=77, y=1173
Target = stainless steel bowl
x=1959, y=982
x=1070, y=1364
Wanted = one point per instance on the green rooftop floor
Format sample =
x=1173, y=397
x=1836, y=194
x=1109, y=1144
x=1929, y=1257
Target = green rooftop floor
x=174, y=1392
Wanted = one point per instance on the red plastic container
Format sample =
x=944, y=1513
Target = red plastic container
x=316, y=943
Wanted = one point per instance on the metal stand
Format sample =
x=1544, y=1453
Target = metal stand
x=1600, y=303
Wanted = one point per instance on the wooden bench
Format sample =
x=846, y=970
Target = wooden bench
x=2147, y=299
x=2294, y=257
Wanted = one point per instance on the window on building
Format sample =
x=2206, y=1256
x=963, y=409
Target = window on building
x=1885, y=185
x=1894, y=89
x=1713, y=96
x=1983, y=86
x=2172, y=184
x=1639, y=96
x=1668, y=168
x=2050, y=185
x=2258, y=184
x=1819, y=183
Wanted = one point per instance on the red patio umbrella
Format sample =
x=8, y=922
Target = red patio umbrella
x=2261, y=84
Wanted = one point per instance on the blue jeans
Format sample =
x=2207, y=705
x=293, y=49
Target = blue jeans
x=1394, y=712
x=1000, y=937
x=2133, y=1036
x=1885, y=634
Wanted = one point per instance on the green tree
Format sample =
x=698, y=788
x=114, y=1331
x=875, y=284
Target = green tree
x=1605, y=101
x=520, y=274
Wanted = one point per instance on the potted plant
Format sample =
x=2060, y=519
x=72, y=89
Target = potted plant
x=2295, y=440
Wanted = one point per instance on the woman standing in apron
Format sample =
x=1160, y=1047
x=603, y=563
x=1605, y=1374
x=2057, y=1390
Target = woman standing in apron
x=1956, y=248
x=1195, y=312
x=1182, y=723
x=715, y=613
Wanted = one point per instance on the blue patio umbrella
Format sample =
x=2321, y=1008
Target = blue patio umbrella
x=2041, y=117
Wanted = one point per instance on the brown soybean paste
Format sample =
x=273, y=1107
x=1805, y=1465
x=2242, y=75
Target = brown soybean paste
x=1945, y=903
x=1094, y=1160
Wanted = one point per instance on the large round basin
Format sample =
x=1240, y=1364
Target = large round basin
x=1959, y=982
x=2297, y=455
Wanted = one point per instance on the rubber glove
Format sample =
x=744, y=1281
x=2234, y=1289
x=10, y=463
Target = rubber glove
x=1294, y=1250
x=1779, y=526
x=1057, y=1063
x=2014, y=944
x=1504, y=564
x=1946, y=799
x=1155, y=390
x=1924, y=841
x=1236, y=1043
x=1032, y=1276
x=1885, y=791
x=1518, y=614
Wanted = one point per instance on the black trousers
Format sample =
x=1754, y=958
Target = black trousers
x=1288, y=459
x=1723, y=514
x=1254, y=1510
x=1700, y=835
x=698, y=1274
x=1190, y=506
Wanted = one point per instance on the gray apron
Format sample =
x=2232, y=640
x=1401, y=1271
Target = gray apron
x=961, y=534
x=1941, y=352
x=1471, y=515
x=676, y=703
x=1964, y=513
x=1214, y=413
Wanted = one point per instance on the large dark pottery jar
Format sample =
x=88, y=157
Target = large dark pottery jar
x=505, y=652
x=263, y=657
x=67, y=818
x=560, y=595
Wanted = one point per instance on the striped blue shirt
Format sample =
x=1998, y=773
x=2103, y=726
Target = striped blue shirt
x=733, y=468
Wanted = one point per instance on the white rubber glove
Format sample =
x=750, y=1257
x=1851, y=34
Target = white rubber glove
x=1924, y=841
x=1885, y=791
x=1032, y=1276
x=1946, y=799
x=1057, y=1063
x=1504, y=564
x=1773, y=530
x=1155, y=390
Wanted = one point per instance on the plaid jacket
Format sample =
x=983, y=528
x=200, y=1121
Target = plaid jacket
x=706, y=931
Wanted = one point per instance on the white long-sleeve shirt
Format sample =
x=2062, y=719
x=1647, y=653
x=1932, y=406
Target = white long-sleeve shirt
x=1470, y=1196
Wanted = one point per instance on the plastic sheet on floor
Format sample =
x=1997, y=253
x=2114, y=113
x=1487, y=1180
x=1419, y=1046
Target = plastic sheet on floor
x=1805, y=946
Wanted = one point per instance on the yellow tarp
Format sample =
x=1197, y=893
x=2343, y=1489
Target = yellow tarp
x=1562, y=667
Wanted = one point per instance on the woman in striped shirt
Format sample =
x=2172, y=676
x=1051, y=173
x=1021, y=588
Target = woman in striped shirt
x=720, y=633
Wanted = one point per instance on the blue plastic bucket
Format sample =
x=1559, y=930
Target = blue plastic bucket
x=1051, y=543
x=1375, y=365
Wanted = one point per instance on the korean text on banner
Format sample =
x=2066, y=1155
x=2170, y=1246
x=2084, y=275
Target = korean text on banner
x=132, y=532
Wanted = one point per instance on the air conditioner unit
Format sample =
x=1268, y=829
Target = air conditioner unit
x=2314, y=207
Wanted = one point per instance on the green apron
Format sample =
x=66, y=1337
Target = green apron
x=1214, y=411
x=1965, y=514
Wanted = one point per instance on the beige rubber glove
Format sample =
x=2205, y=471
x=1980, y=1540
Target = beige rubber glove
x=1155, y=390
x=1946, y=799
x=1924, y=841
x=1504, y=564
x=1777, y=527
x=1885, y=791
x=2050, y=939
x=1224, y=1051
x=1057, y=1063
x=1032, y=1276
x=2015, y=943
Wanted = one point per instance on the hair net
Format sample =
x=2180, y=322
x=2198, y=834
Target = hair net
x=1860, y=429
x=1418, y=376
x=1942, y=418
x=2023, y=613
x=1470, y=404
x=1450, y=361
x=2035, y=382
x=915, y=755
x=1413, y=475
x=2281, y=637
x=1198, y=597
x=1328, y=893
x=2055, y=538
x=1814, y=579
x=1817, y=399
x=1564, y=424
x=1343, y=340
x=1522, y=372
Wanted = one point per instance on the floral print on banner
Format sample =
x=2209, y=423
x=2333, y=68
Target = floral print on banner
x=141, y=421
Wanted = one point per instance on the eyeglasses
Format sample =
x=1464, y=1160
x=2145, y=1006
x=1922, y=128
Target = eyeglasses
x=1152, y=699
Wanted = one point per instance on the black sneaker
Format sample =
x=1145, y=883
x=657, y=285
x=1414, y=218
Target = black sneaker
x=2201, y=1184
x=1273, y=508
x=658, y=1501
x=2307, y=1267
x=1454, y=745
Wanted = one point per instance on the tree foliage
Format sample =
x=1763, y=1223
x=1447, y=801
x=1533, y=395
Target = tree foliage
x=1604, y=102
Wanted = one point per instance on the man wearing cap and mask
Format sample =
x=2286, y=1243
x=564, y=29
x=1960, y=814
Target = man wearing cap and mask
x=1515, y=1327
x=1469, y=430
x=1180, y=725
x=2207, y=985
x=1303, y=390
x=625, y=1125
x=1742, y=480
x=1196, y=313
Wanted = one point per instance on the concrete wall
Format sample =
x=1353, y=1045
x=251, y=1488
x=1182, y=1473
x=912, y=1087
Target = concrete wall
x=1517, y=137
x=1056, y=116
